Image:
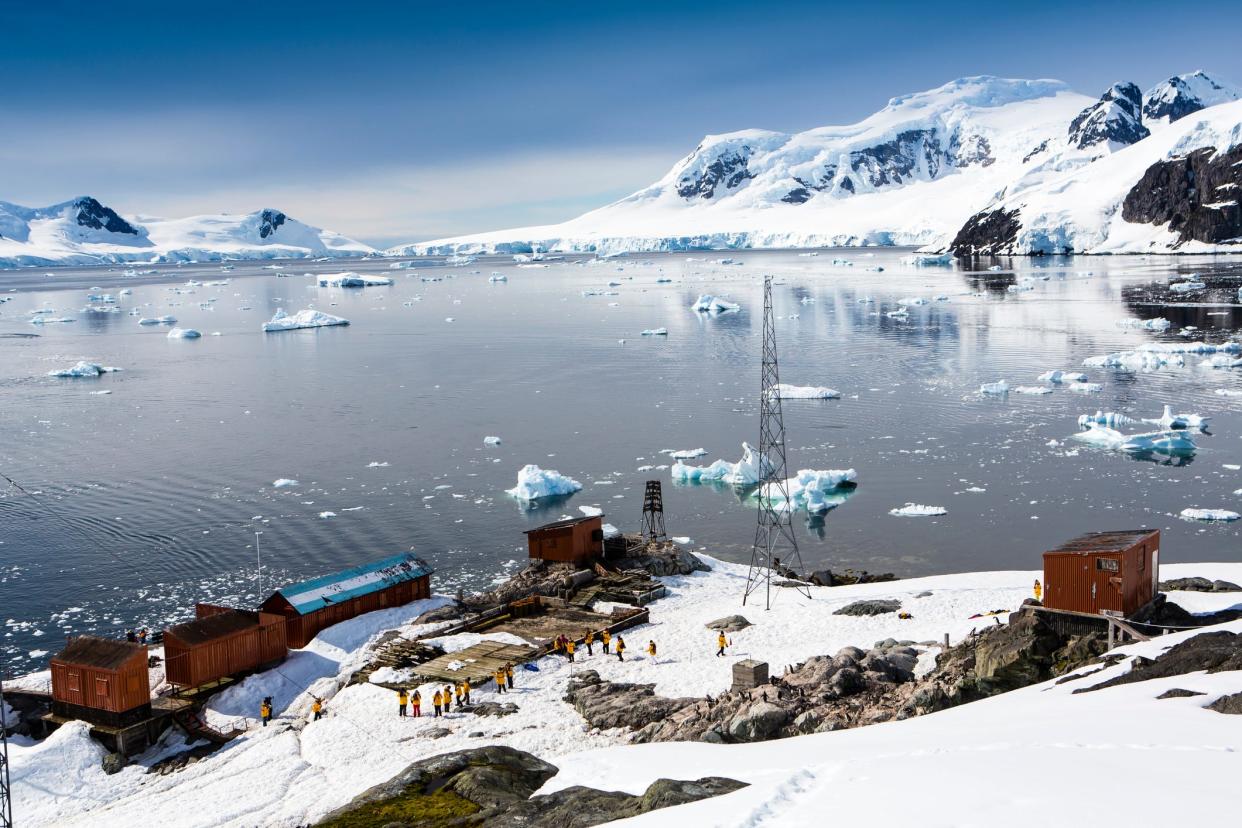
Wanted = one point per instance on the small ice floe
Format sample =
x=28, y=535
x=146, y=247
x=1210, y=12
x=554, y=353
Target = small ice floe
x=1111, y=419
x=684, y=454
x=1174, y=443
x=326, y=515
x=816, y=490
x=378, y=464
x=498, y=277
x=706, y=303
x=610, y=531
x=1170, y=421
x=655, y=332
x=1191, y=284
x=591, y=511
x=1135, y=360
x=1085, y=387
x=928, y=260
x=184, y=333
x=100, y=393
x=1145, y=324
x=918, y=510
x=745, y=472
x=1221, y=361
x=491, y=441
x=912, y=300
x=997, y=389
x=83, y=369
x=534, y=483
x=1210, y=514
x=352, y=280
x=48, y=320
x=807, y=300
x=1060, y=377
x=1032, y=389
x=804, y=392
x=900, y=314
x=308, y=318
x=284, y=483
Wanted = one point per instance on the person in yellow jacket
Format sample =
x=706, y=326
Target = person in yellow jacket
x=316, y=710
x=651, y=649
x=620, y=648
x=509, y=674
x=1039, y=590
x=721, y=642
x=265, y=711
x=458, y=693
x=569, y=650
x=499, y=675
x=588, y=639
x=604, y=638
x=465, y=690
x=447, y=695
x=402, y=700
x=436, y=701
x=416, y=701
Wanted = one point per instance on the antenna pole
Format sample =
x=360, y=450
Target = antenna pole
x=6, y=794
x=258, y=558
x=774, y=533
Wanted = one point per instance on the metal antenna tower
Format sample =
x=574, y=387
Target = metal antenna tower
x=6, y=798
x=653, y=513
x=774, y=534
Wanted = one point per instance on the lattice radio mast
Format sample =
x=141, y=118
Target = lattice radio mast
x=6, y=794
x=774, y=534
x=653, y=513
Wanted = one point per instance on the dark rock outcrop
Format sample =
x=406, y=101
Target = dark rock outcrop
x=826, y=577
x=269, y=220
x=1175, y=99
x=1179, y=693
x=1231, y=704
x=606, y=704
x=94, y=215
x=1212, y=652
x=494, y=786
x=870, y=607
x=728, y=170
x=987, y=233
x=1117, y=118
x=730, y=623
x=660, y=559
x=1198, y=584
x=1196, y=195
x=798, y=195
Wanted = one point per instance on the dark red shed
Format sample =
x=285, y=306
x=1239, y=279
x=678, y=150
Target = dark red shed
x=1103, y=572
x=572, y=540
x=222, y=642
x=101, y=680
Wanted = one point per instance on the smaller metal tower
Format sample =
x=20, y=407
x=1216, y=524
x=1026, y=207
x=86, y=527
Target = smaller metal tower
x=653, y=513
x=6, y=799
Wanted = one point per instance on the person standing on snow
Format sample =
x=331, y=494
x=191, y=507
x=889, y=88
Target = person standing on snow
x=402, y=700
x=588, y=640
x=569, y=650
x=509, y=674
x=499, y=676
x=316, y=710
x=417, y=702
x=465, y=690
x=721, y=642
x=651, y=649
x=620, y=648
x=448, y=698
x=265, y=710
x=604, y=638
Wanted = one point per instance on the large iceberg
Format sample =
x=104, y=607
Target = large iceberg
x=184, y=333
x=811, y=489
x=943, y=260
x=1170, y=421
x=918, y=510
x=1059, y=377
x=1112, y=419
x=534, y=483
x=352, y=280
x=1210, y=514
x=745, y=472
x=308, y=318
x=996, y=389
x=1141, y=360
x=804, y=392
x=1145, y=324
x=1176, y=443
x=83, y=369
x=706, y=303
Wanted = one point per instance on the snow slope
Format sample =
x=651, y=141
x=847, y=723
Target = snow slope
x=83, y=231
x=295, y=771
x=909, y=174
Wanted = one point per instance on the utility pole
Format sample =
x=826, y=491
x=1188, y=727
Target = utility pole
x=6, y=794
x=258, y=558
x=774, y=534
x=653, y=513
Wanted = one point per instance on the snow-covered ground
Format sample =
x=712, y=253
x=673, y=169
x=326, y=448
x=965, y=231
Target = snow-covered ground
x=1004, y=754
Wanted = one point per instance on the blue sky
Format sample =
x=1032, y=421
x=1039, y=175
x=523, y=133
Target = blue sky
x=398, y=122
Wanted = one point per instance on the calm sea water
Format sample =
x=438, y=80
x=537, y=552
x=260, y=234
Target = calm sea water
x=145, y=499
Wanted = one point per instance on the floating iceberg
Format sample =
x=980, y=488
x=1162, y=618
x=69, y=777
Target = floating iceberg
x=1186, y=287
x=491, y=441
x=1170, y=421
x=812, y=489
x=1032, y=389
x=534, y=483
x=655, y=332
x=1058, y=377
x=47, y=320
x=918, y=510
x=83, y=369
x=1135, y=360
x=1176, y=443
x=707, y=303
x=283, y=483
x=1145, y=324
x=1221, y=361
x=498, y=277
x=1111, y=419
x=929, y=261
x=302, y=319
x=1085, y=387
x=804, y=392
x=610, y=531
x=352, y=280
x=591, y=511
x=684, y=454
x=1210, y=514
x=745, y=472
x=994, y=388
x=184, y=333
x=912, y=300
x=158, y=320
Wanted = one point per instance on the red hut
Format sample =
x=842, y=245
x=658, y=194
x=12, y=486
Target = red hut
x=222, y=642
x=1103, y=572
x=573, y=540
x=101, y=680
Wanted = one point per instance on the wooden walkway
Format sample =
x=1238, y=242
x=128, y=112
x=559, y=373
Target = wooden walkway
x=477, y=663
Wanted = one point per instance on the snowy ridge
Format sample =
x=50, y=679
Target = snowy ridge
x=84, y=231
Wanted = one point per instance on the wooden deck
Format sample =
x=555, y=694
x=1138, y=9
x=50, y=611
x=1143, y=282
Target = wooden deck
x=477, y=663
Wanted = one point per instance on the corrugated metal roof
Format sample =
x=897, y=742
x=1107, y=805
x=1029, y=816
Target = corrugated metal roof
x=104, y=653
x=1102, y=542
x=220, y=625
x=562, y=524
x=318, y=593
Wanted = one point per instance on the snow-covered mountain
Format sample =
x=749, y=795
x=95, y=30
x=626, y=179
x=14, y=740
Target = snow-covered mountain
x=919, y=171
x=84, y=231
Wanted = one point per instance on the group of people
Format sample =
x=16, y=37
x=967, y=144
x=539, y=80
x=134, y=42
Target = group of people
x=265, y=709
x=568, y=646
x=442, y=699
x=137, y=636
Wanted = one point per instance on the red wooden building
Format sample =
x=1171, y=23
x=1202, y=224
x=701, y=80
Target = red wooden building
x=101, y=680
x=573, y=540
x=1116, y=572
x=222, y=642
x=319, y=603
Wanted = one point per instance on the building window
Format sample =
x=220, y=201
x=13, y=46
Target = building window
x=101, y=688
x=1107, y=565
x=74, y=680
